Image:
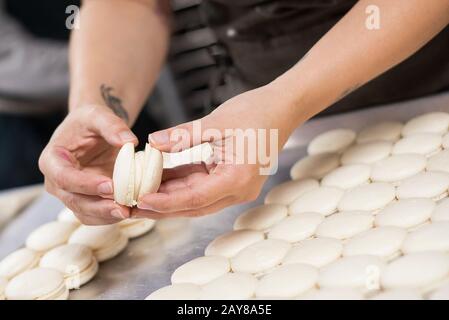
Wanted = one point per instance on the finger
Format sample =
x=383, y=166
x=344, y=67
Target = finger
x=202, y=191
x=60, y=167
x=175, y=184
x=213, y=208
x=183, y=171
x=94, y=207
x=108, y=125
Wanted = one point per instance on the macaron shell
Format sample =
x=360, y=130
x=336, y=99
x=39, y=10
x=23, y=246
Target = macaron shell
x=201, y=270
x=50, y=235
x=315, y=166
x=134, y=228
x=427, y=184
x=95, y=237
x=139, y=159
x=317, y=252
x=368, y=197
x=3, y=284
x=347, y=177
x=312, y=201
x=431, y=237
x=441, y=212
x=124, y=175
x=405, y=213
x=287, y=281
x=261, y=217
x=77, y=280
x=381, y=131
x=152, y=171
x=335, y=140
x=345, y=225
x=181, y=291
x=230, y=286
x=17, y=262
x=296, y=228
x=367, y=153
x=439, y=162
x=420, y=143
x=67, y=215
x=432, y=122
x=112, y=250
x=36, y=284
x=260, y=256
x=285, y=193
x=398, y=167
x=231, y=243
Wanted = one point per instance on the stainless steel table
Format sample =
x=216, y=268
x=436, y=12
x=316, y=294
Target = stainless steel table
x=148, y=262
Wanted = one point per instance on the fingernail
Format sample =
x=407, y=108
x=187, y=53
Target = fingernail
x=159, y=138
x=116, y=213
x=144, y=206
x=105, y=188
x=127, y=136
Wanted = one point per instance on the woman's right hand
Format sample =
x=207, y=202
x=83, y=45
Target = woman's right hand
x=79, y=159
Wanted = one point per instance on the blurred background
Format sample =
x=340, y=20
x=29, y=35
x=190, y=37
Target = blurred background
x=34, y=80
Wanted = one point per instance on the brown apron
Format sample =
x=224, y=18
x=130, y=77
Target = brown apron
x=262, y=39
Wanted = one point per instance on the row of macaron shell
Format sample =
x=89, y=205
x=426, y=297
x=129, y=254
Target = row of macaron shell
x=64, y=251
x=384, y=131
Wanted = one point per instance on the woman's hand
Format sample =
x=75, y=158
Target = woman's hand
x=79, y=159
x=238, y=171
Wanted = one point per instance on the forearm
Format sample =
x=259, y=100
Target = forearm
x=116, y=54
x=350, y=54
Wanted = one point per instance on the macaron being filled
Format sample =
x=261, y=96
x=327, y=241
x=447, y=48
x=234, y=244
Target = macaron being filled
x=136, y=174
x=37, y=284
x=17, y=262
x=134, y=228
x=105, y=242
x=50, y=235
x=76, y=262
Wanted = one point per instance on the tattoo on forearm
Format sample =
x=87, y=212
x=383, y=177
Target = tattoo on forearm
x=113, y=102
x=349, y=90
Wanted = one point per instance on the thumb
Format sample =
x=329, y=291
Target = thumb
x=184, y=136
x=112, y=128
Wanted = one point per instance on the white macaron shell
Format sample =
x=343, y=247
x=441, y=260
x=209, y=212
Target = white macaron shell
x=201, y=270
x=152, y=171
x=398, y=167
x=439, y=162
x=261, y=217
x=367, y=153
x=123, y=175
x=431, y=237
x=287, y=281
x=230, y=286
x=368, y=197
x=35, y=284
x=50, y=235
x=296, y=228
x=441, y=212
x=315, y=166
x=405, y=213
x=432, y=122
x=181, y=291
x=322, y=200
x=231, y=243
x=345, y=225
x=347, y=177
x=95, y=237
x=431, y=185
x=382, y=131
x=316, y=252
x=420, y=143
x=285, y=193
x=331, y=141
x=18, y=262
